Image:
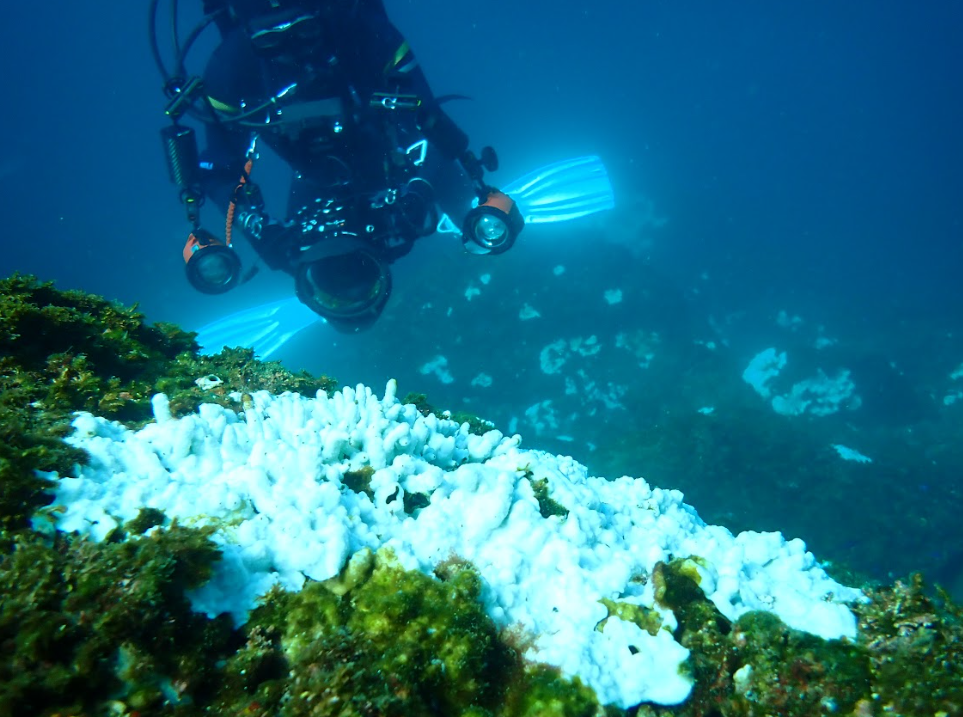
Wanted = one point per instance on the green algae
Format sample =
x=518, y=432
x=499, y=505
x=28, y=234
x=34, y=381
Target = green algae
x=543, y=694
x=915, y=642
x=381, y=640
x=359, y=480
x=476, y=425
x=547, y=506
x=644, y=617
x=85, y=623
x=146, y=519
x=793, y=673
x=756, y=665
x=430, y=637
x=414, y=502
x=355, y=573
x=906, y=660
x=30, y=440
x=677, y=583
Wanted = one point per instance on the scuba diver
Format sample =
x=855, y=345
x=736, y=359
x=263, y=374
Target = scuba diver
x=333, y=88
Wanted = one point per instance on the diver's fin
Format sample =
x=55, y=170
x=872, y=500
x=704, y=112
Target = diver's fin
x=562, y=191
x=265, y=328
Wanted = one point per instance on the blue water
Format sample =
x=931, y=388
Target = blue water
x=765, y=158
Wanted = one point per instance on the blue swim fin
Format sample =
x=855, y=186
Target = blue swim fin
x=265, y=328
x=562, y=191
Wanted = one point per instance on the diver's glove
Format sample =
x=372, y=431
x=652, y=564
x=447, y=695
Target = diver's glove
x=270, y=239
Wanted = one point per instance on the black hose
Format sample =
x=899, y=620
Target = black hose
x=181, y=50
x=175, y=34
x=263, y=107
x=180, y=59
x=192, y=38
x=152, y=39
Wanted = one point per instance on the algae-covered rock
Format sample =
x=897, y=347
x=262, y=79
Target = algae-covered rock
x=105, y=628
x=907, y=659
x=787, y=672
x=915, y=643
x=757, y=665
x=66, y=351
x=84, y=624
x=381, y=640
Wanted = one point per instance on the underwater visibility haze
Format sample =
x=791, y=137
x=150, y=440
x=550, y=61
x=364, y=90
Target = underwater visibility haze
x=765, y=315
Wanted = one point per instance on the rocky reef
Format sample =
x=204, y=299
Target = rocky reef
x=106, y=628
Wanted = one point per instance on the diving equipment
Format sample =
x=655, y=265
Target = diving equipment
x=563, y=191
x=212, y=267
x=180, y=150
x=185, y=92
x=549, y=194
x=264, y=328
x=273, y=32
x=348, y=290
x=493, y=226
x=342, y=255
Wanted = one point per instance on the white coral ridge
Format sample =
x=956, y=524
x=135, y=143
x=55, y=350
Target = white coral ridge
x=270, y=479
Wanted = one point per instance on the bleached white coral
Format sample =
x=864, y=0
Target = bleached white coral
x=270, y=479
x=819, y=396
x=764, y=367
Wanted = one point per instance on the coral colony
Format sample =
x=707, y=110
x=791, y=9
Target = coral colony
x=273, y=482
x=819, y=395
